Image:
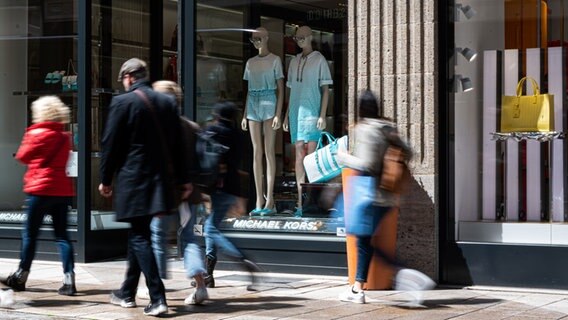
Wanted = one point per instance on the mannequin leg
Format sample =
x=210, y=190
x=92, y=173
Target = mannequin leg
x=255, y=129
x=269, y=151
x=300, y=173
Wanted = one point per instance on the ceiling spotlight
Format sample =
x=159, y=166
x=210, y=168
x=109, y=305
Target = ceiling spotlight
x=467, y=10
x=462, y=84
x=467, y=53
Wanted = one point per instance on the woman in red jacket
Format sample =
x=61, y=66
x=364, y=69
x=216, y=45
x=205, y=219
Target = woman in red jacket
x=45, y=149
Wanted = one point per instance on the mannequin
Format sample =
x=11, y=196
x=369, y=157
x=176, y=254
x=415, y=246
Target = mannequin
x=262, y=116
x=308, y=79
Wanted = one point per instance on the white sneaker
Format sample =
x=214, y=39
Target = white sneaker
x=413, y=282
x=350, y=296
x=6, y=298
x=143, y=293
x=197, y=297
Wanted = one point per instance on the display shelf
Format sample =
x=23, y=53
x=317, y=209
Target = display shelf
x=532, y=135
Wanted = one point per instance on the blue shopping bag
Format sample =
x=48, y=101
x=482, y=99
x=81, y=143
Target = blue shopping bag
x=359, y=213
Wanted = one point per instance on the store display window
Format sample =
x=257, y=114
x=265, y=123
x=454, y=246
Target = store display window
x=268, y=58
x=509, y=156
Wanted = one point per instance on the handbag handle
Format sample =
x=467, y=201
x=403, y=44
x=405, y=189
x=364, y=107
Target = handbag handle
x=536, y=90
x=71, y=66
x=330, y=139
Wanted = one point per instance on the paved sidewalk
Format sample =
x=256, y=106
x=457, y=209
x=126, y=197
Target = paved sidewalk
x=281, y=296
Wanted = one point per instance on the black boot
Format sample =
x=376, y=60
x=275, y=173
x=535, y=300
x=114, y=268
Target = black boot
x=68, y=288
x=210, y=263
x=17, y=280
x=253, y=268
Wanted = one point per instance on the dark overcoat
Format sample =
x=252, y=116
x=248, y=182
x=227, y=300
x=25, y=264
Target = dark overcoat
x=143, y=148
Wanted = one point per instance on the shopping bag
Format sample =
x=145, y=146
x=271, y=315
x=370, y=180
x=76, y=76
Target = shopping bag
x=321, y=165
x=359, y=193
x=527, y=113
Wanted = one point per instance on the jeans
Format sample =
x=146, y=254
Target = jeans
x=192, y=258
x=365, y=249
x=160, y=226
x=141, y=259
x=221, y=202
x=38, y=207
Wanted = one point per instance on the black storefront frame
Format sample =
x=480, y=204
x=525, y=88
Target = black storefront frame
x=468, y=263
x=275, y=251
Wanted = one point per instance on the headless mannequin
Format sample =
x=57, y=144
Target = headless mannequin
x=303, y=38
x=263, y=130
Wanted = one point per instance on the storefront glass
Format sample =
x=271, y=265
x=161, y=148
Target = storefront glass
x=510, y=187
x=120, y=31
x=223, y=48
x=38, y=47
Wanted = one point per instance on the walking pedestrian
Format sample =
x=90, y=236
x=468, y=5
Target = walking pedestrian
x=225, y=193
x=142, y=145
x=45, y=150
x=373, y=135
x=160, y=226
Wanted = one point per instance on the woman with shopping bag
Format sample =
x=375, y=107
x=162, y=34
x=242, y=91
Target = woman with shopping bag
x=373, y=135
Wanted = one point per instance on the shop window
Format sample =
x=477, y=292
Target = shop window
x=224, y=45
x=510, y=180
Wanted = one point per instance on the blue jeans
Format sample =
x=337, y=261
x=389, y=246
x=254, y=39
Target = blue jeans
x=193, y=260
x=38, y=207
x=365, y=249
x=221, y=202
x=160, y=226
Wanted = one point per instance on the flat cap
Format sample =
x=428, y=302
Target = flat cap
x=130, y=66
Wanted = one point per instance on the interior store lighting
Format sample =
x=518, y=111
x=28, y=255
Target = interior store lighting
x=467, y=11
x=462, y=84
x=467, y=53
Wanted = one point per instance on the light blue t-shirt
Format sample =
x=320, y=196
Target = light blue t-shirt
x=263, y=72
x=306, y=76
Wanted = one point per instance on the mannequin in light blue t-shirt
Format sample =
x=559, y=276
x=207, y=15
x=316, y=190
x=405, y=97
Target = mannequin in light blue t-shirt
x=262, y=115
x=309, y=79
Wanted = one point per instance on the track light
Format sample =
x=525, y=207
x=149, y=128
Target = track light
x=462, y=84
x=467, y=53
x=467, y=11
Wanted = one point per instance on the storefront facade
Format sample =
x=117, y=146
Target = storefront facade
x=465, y=219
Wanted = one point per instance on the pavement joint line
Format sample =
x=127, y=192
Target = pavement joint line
x=518, y=290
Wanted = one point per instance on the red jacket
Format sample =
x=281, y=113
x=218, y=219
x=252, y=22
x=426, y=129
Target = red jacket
x=45, y=150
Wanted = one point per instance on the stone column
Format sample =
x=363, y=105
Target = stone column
x=393, y=51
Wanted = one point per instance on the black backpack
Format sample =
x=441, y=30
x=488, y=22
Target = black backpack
x=210, y=155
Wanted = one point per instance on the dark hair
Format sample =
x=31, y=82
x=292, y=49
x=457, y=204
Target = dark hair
x=225, y=111
x=369, y=105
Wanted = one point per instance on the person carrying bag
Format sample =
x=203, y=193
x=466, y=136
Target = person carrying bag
x=375, y=138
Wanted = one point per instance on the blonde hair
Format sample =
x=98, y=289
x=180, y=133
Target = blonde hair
x=50, y=108
x=170, y=87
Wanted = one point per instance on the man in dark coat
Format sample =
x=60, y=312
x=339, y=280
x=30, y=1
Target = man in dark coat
x=142, y=145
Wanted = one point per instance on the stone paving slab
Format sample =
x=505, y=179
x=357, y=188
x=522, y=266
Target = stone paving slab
x=279, y=296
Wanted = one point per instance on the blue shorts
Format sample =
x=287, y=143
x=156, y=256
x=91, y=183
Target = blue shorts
x=261, y=105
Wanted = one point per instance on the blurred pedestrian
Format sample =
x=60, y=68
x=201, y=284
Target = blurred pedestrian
x=160, y=226
x=45, y=150
x=373, y=134
x=142, y=145
x=226, y=192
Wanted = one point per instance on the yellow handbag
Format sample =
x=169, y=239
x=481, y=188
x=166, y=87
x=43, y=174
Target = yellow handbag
x=527, y=113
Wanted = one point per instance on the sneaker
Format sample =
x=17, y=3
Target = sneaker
x=156, y=308
x=143, y=293
x=6, y=298
x=197, y=297
x=116, y=299
x=67, y=290
x=414, y=283
x=350, y=296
